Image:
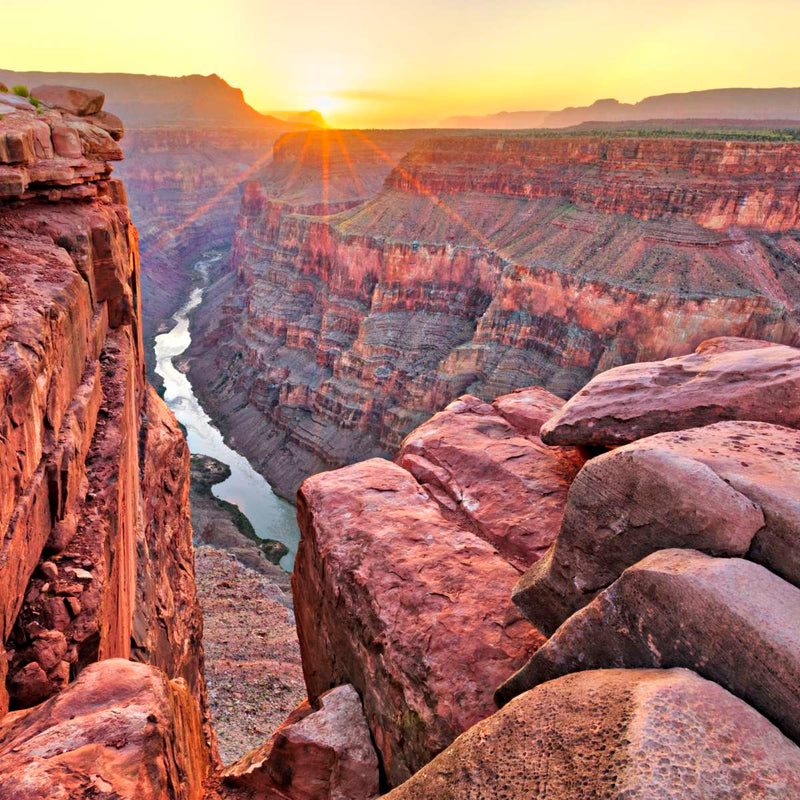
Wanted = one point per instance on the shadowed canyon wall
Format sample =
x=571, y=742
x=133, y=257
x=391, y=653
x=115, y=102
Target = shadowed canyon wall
x=482, y=264
x=97, y=559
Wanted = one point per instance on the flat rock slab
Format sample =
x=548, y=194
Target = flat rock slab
x=616, y=733
x=414, y=611
x=321, y=752
x=81, y=102
x=731, y=489
x=120, y=730
x=510, y=487
x=724, y=379
x=732, y=621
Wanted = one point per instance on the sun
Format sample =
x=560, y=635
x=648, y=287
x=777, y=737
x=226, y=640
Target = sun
x=325, y=104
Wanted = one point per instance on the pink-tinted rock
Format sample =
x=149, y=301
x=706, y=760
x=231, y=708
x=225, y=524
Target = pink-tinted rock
x=81, y=102
x=121, y=730
x=616, y=733
x=724, y=379
x=732, y=621
x=528, y=409
x=415, y=612
x=110, y=123
x=509, y=486
x=321, y=752
x=732, y=489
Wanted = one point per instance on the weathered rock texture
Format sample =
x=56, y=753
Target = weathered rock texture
x=96, y=559
x=398, y=592
x=483, y=264
x=729, y=489
x=464, y=453
x=321, y=752
x=397, y=599
x=616, y=733
x=725, y=378
x=732, y=621
x=122, y=730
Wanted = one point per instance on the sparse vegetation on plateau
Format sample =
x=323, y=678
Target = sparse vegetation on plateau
x=22, y=91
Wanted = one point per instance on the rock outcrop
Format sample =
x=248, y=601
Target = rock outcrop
x=725, y=378
x=744, y=501
x=616, y=733
x=390, y=596
x=96, y=560
x=728, y=619
x=122, y=730
x=484, y=264
x=462, y=454
x=414, y=611
x=319, y=753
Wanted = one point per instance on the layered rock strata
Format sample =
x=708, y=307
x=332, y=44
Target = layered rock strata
x=97, y=559
x=483, y=264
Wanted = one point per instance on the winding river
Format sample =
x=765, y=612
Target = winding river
x=271, y=516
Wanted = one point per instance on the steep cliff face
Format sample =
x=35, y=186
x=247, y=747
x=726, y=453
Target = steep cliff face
x=483, y=264
x=184, y=190
x=96, y=560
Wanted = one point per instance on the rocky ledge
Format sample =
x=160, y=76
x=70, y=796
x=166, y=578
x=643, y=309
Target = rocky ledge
x=96, y=561
x=657, y=582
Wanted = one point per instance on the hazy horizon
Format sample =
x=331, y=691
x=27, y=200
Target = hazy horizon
x=372, y=64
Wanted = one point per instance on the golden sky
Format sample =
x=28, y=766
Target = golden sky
x=412, y=62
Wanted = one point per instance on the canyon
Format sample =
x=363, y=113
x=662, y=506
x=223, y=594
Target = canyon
x=190, y=142
x=489, y=611
x=374, y=279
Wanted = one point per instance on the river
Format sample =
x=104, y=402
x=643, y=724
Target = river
x=271, y=516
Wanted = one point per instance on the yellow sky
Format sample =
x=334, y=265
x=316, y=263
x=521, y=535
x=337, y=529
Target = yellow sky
x=394, y=62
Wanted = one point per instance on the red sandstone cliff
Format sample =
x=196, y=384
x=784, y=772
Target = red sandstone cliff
x=96, y=560
x=483, y=264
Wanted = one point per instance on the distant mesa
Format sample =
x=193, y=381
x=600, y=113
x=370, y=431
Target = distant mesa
x=150, y=101
x=308, y=118
x=718, y=104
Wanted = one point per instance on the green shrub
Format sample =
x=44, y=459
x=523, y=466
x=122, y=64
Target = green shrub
x=34, y=102
x=22, y=91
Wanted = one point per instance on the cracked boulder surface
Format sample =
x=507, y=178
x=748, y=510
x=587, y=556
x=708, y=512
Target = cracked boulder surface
x=731, y=488
x=615, y=733
x=726, y=378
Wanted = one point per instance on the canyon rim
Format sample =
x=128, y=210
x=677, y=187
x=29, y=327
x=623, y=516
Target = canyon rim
x=394, y=444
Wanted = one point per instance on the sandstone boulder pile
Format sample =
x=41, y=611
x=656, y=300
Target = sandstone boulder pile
x=663, y=656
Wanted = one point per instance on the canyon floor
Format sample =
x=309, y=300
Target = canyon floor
x=253, y=667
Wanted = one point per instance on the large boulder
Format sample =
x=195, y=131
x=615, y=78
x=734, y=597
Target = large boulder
x=81, y=102
x=398, y=600
x=616, y=733
x=728, y=489
x=122, y=730
x=724, y=379
x=319, y=753
x=510, y=487
x=732, y=621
